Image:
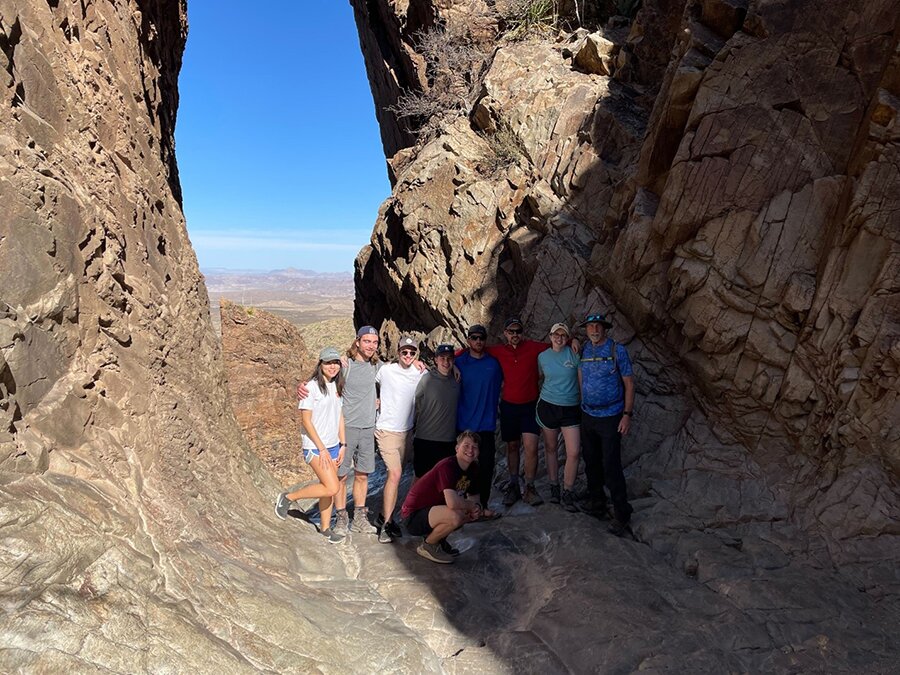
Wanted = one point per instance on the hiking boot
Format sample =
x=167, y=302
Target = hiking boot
x=282, y=504
x=568, y=501
x=341, y=522
x=448, y=548
x=593, y=506
x=332, y=537
x=434, y=553
x=554, y=494
x=617, y=527
x=360, y=522
x=531, y=496
x=512, y=493
x=384, y=536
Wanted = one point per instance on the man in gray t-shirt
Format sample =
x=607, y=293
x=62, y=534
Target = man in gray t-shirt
x=358, y=405
x=437, y=395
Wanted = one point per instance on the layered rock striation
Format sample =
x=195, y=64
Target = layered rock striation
x=721, y=176
x=137, y=526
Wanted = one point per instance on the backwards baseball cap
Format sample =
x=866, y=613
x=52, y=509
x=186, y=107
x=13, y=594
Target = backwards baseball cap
x=476, y=330
x=512, y=321
x=559, y=326
x=366, y=330
x=407, y=342
x=329, y=354
x=445, y=350
x=596, y=318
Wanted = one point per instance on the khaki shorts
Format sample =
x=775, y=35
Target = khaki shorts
x=394, y=446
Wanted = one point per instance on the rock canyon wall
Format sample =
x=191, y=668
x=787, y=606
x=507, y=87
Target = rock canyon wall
x=136, y=532
x=722, y=176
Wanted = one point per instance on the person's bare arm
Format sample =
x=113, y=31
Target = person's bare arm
x=625, y=422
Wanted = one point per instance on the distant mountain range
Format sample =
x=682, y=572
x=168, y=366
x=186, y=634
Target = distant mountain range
x=300, y=296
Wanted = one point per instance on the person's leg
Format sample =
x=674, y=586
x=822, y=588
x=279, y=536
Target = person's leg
x=592, y=441
x=612, y=469
x=364, y=465
x=487, y=451
x=512, y=459
x=530, y=443
x=572, y=438
x=443, y=520
x=390, y=445
x=325, y=490
x=551, y=447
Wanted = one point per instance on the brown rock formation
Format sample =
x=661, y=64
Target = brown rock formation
x=731, y=199
x=265, y=357
x=137, y=526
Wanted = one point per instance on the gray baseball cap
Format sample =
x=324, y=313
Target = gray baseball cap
x=329, y=354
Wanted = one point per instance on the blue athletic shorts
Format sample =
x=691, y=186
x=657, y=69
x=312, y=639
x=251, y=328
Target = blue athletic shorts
x=309, y=454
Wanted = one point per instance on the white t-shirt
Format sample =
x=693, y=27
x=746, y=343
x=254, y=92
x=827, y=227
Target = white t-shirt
x=398, y=397
x=326, y=414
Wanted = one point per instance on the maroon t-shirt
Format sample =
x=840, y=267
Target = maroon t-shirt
x=429, y=489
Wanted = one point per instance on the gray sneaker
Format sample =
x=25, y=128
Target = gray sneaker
x=554, y=494
x=513, y=494
x=360, y=522
x=341, y=522
x=282, y=504
x=332, y=537
x=531, y=496
x=434, y=553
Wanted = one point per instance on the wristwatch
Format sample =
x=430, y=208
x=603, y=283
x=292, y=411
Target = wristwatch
x=627, y=412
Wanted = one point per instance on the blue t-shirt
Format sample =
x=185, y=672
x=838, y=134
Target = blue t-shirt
x=602, y=391
x=560, y=371
x=479, y=393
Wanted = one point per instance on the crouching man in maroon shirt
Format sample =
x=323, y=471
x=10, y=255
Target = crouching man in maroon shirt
x=444, y=499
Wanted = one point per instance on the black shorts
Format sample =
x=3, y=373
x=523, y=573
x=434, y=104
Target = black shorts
x=417, y=524
x=428, y=453
x=517, y=419
x=552, y=416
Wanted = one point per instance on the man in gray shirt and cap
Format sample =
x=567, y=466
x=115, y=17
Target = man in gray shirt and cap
x=437, y=395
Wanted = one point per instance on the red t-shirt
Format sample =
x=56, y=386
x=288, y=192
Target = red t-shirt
x=429, y=489
x=520, y=369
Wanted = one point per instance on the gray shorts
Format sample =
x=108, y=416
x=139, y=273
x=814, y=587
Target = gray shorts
x=360, y=452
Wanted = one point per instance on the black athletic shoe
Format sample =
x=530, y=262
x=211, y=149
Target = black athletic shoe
x=447, y=548
x=617, y=527
x=554, y=494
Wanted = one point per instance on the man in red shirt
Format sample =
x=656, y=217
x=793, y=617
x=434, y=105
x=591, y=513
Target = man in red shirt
x=518, y=427
x=444, y=499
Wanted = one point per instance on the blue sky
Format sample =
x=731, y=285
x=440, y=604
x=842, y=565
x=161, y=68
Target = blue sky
x=278, y=149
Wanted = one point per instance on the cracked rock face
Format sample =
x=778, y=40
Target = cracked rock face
x=138, y=533
x=729, y=194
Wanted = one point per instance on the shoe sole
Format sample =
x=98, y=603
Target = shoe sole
x=278, y=513
x=425, y=554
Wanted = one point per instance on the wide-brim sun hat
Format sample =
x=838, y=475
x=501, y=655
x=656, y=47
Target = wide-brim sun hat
x=596, y=318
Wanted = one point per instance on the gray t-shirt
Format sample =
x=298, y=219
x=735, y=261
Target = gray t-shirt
x=436, y=399
x=359, y=394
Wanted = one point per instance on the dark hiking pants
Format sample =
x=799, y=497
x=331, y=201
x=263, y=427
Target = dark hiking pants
x=602, y=447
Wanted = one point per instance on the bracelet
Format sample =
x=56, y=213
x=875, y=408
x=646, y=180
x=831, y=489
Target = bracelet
x=627, y=412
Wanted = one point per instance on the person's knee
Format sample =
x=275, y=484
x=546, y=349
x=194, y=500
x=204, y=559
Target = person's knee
x=456, y=520
x=393, y=475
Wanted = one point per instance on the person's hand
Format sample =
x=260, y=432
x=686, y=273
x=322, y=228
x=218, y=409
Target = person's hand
x=624, y=424
x=474, y=513
x=456, y=374
x=340, y=459
x=302, y=391
x=420, y=365
x=325, y=460
x=576, y=345
x=344, y=361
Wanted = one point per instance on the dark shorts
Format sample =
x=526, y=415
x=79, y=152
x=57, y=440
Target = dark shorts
x=428, y=453
x=417, y=523
x=517, y=419
x=552, y=416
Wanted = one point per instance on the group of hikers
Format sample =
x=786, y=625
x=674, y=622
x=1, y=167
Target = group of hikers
x=446, y=419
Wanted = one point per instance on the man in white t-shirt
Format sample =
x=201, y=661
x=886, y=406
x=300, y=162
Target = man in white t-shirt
x=397, y=382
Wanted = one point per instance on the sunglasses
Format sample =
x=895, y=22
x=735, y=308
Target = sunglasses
x=480, y=338
x=406, y=352
x=514, y=331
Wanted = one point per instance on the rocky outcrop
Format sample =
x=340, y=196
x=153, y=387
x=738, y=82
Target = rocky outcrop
x=729, y=196
x=138, y=533
x=265, y=357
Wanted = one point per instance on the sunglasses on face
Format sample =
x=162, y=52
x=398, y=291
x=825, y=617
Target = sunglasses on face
x=514, y=331
x=407, y=352
x=479, y=338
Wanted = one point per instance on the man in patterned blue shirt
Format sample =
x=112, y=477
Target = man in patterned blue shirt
x=607, y=402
